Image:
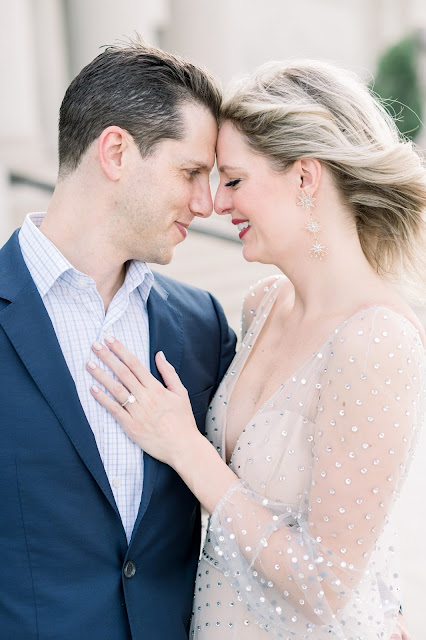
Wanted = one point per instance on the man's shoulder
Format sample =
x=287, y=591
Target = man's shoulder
x=14, y=274
x=11, y=245
x=204, y=325
x=190, y=301
x=178, y=289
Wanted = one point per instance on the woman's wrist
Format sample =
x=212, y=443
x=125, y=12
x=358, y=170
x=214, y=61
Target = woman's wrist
x=185, y=452
x=198, y=463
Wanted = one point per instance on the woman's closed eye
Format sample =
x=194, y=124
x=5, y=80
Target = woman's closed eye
x=233, y=183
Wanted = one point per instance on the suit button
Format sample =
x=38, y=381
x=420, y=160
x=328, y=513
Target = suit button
x=129, y=569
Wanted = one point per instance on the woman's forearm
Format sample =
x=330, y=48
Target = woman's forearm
x=203, y=471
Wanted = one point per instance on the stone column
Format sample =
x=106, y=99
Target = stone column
x=92, y=25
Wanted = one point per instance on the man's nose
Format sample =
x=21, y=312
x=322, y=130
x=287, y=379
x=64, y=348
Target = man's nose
x=202, y=203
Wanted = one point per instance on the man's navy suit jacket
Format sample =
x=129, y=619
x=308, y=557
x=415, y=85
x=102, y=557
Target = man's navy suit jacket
x=62, y=544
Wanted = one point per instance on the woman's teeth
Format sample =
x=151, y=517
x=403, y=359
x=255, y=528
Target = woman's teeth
x=243, y=225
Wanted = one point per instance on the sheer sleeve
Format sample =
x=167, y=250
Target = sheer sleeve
x=312, y=565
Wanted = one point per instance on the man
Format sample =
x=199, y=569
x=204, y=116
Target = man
x=97, y=539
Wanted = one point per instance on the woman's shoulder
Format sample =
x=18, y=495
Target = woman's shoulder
x=389, y=317
x=261, y=290
x=382, y=335
x=402, y=314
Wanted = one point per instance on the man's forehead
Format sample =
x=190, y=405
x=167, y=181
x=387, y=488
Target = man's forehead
x=198, y=122
x=197, y=146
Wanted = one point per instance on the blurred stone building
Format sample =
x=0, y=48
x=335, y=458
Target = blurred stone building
x=44, y=44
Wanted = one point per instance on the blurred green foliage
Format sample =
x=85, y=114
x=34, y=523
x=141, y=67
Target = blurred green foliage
x=397, y=84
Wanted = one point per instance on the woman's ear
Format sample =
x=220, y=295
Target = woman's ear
x=112, y=143
x=309, y=174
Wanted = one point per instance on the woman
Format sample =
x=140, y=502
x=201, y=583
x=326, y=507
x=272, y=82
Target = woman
x=311, y=431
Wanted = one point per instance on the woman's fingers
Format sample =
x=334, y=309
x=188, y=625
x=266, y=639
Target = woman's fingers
x=119, y=413
x=135, y=366
x=130, y=371
x=157, y=417
x=116, y=389
x=125, y=374
x=169, y=375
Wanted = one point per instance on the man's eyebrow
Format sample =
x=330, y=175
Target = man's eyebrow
x=197, y=165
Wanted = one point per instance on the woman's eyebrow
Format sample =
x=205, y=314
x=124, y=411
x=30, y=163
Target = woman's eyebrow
x=228, y=167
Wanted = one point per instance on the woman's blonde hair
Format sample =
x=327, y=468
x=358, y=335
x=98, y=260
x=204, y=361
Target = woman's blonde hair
x=313, y=109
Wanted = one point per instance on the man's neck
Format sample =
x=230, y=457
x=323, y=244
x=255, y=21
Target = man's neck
x=88, y=252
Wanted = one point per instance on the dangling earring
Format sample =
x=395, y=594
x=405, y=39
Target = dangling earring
x=317, y=250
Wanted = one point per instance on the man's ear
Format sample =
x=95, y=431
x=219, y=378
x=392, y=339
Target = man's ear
x=112, y=143
x=309, y=170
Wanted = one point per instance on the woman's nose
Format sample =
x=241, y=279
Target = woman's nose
x=222, y=202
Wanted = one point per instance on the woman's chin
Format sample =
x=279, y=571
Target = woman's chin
x=249, y=252
x=250, y=255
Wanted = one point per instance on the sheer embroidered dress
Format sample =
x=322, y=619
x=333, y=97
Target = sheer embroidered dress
x=302, y=545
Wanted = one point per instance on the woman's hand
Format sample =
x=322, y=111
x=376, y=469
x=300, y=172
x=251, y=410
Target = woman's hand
x=159, y=419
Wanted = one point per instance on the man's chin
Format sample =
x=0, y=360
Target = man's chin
x=163, y=257
x=164, y=260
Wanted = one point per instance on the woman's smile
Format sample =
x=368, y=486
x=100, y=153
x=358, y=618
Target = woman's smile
x=243, y=226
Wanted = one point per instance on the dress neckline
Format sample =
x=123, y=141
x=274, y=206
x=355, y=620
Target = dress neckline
x=264, y=308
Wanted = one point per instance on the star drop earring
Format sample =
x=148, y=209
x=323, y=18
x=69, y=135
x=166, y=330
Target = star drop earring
x=317, y=250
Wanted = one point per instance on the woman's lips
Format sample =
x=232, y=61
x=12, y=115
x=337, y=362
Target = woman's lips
x=239, y=222
x=243, y=232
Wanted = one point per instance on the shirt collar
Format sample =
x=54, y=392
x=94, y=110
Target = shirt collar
x=44, y=260
x=47, y=264
x=138, y=273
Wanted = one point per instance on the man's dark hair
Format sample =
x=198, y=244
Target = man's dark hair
x=137, y=87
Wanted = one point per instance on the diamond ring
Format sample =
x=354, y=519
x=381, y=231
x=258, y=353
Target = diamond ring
x=130, y=400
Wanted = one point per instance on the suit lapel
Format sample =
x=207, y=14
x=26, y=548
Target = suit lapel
x=28, y=327
x=165, y=334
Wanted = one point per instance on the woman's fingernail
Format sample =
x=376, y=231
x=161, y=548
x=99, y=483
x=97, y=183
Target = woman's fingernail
x=91, y=364
x=109, y=339
x=95, y=388
x=162, y=355
x=97, y=346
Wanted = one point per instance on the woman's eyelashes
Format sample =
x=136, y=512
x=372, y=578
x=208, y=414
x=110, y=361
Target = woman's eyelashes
x=233, y=183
